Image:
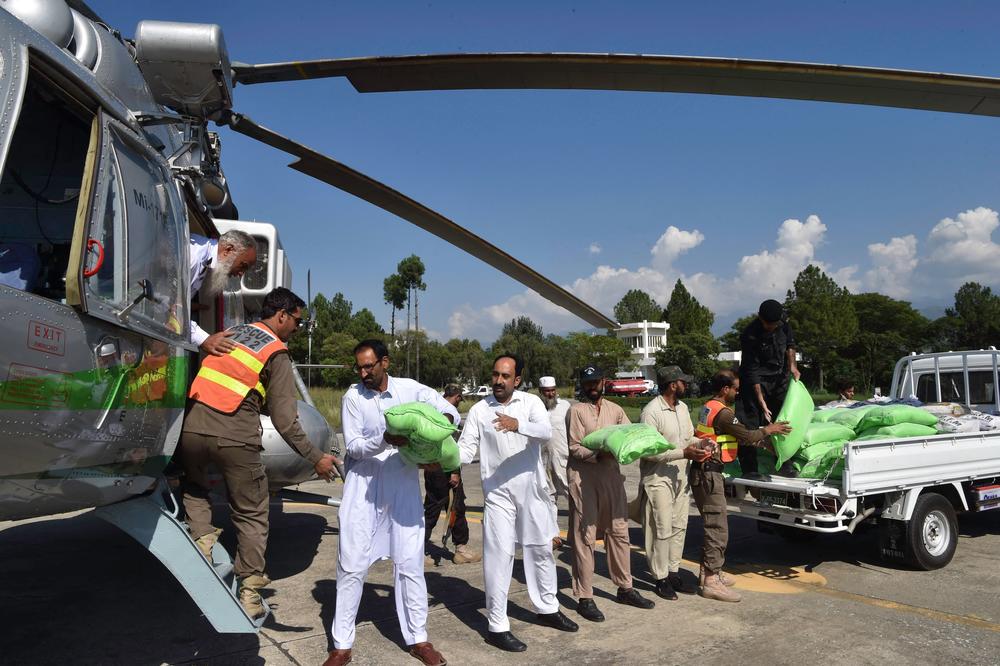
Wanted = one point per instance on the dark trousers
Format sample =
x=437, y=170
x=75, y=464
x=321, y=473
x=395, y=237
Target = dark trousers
x=710, y=497
x=436, y=501
x=750, y=414
x=246, y=487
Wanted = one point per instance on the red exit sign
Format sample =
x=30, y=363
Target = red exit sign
x=46, y=338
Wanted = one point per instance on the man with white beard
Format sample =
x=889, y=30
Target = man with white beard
x=213, y=262
x=510, y=427
x=555, y=453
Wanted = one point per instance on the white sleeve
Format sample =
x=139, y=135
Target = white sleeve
x=468, y=443
x=198, y=335
x=538, y=425
x=357, y=445
x=433, y=398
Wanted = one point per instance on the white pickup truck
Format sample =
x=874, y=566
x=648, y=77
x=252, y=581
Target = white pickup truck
x=911, y=488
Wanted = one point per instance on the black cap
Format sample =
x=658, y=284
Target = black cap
x=591, y=373
x=771, y=311
x=673, y=373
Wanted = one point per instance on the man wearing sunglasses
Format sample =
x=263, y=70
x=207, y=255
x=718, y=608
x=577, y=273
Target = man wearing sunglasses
x=222, y=427
x=381, y=513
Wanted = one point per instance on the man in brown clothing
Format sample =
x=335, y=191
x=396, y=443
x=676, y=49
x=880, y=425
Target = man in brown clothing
x=718, y=421
x=231, y=439
x=597, y=502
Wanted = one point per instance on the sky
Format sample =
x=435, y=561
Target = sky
x=603, y=192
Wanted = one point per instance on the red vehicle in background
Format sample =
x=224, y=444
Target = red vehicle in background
x=626, y=387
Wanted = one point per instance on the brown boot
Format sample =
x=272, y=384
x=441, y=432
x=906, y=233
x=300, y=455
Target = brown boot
x=338, y=658
x=427, y=655
x=206, y=541
x=249, y=594
x=726, y=579
x=714, y=588
x=465, y=555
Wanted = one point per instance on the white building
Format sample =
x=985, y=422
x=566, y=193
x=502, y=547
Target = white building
x=644, y=338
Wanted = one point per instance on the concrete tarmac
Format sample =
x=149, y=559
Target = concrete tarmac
x=75, y=590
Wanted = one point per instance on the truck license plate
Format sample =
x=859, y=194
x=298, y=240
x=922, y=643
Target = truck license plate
x=774, y=498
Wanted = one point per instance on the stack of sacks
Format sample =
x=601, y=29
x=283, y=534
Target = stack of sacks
x=429, y=433
x=822, y=452
x=627, y=442
x=895, y=421
x=966, y=423
x=986, y=421
x=797, y=410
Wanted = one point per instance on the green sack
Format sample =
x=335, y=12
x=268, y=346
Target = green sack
x=894, y=415
x=444, y=452
x=817, y=433
x=418, y=422
x=627, y=442
x=816, y=451
x=732, y=469
x=797, y=410
x=824, y=415
x=849, y=417
x=897, y=431
x=428, y=431
x=828, y=466
x=766, y=462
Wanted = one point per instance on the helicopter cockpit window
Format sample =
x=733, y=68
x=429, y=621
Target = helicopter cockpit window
x=40, y=189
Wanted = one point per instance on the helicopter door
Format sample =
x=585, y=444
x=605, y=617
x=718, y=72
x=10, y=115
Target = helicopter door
x=133, y=259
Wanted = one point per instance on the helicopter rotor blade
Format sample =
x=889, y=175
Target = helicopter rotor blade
x=345, y=178
x=929, y=91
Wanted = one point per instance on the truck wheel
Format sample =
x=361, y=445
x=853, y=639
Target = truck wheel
x=932, y=533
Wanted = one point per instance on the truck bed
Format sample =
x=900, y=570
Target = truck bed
x=871, y=467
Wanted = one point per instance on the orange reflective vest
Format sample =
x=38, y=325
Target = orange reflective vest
x=706, y=422
x=224, y=381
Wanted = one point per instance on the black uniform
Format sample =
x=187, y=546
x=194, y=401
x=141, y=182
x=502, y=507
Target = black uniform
x=765, y=362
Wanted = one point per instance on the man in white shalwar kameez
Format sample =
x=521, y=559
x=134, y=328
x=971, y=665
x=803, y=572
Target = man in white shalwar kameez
x=381, y=512
x=509, y=428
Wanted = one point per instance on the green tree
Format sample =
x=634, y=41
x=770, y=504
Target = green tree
x=695, y=353
x=823, y=319
x=411, y=271
x=887, y=330
x=730, y=340
x=607, y=352
x=363, y=325
x=523, y=337
x=337, y=349
x=978, y=308
x=468, y=361
x=394, y=293
x=637, y=305
x=685, y=314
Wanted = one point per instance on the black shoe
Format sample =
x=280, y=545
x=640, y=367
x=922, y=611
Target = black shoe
x=557, y=621
x=665, y=590
x=588, y=609
x=677, y=582
x=631, y=597
x=505, y=641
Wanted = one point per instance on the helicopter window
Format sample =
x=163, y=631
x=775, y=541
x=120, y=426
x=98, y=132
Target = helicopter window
x=40, y=188
x=105, y=255
x=155, y=237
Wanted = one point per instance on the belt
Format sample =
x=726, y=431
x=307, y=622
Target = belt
x=711, y=465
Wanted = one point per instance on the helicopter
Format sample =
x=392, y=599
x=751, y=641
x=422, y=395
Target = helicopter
x=108, y=166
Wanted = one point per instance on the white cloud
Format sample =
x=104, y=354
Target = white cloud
x=957, y=250
x=964, y=247
x=673, y=243
x=594, y=248
x=893, y=264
